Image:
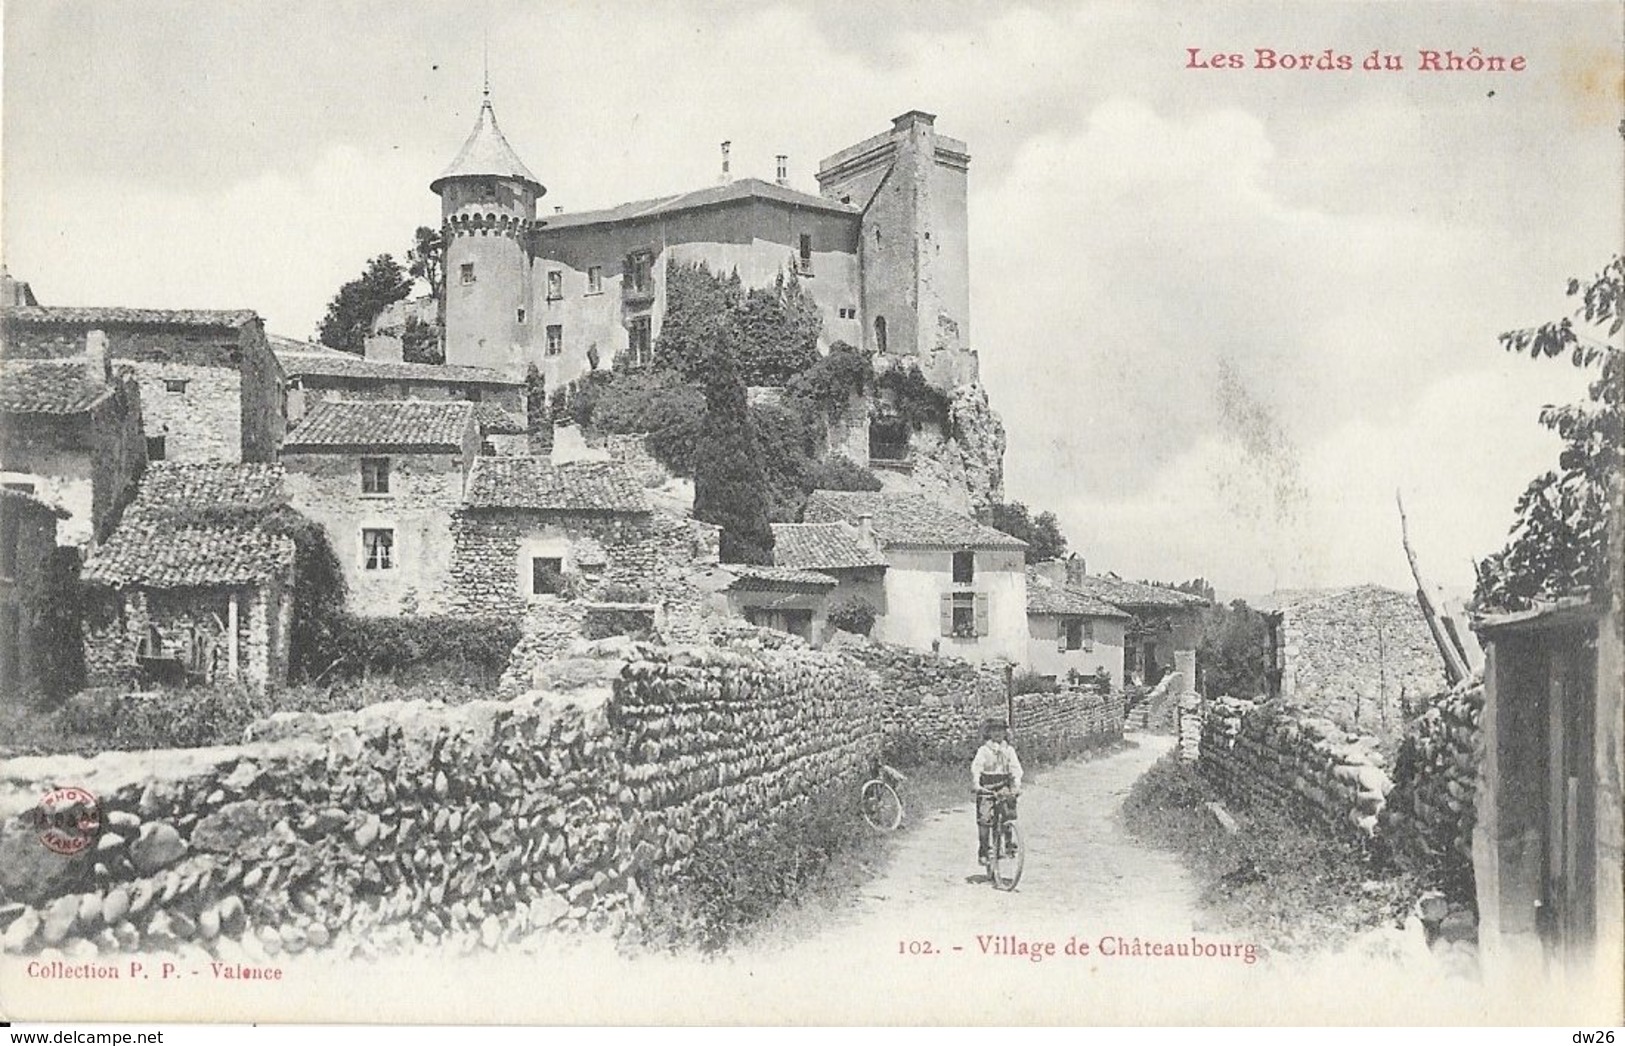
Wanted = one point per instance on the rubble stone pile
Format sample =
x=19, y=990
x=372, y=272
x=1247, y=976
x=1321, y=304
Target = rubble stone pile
x=414, y=824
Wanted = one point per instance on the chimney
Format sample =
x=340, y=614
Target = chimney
x=782, y=177
x=727, y=175
x=1076, y=569
x=98, y=368
x=866, y=530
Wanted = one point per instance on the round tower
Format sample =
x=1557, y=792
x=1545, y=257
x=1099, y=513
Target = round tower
x=487, y=211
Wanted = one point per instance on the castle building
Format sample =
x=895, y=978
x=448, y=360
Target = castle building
x=882, y=248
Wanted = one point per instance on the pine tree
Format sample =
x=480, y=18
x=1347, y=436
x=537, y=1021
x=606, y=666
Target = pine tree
x=351, y=313
x=729, y=483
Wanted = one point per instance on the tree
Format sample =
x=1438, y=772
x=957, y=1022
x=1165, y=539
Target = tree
x=426, y=260
x=1197, y=587
x=351, y=313
x=420, y=342
x=1234, y=651
x=1558, y=544
x=1042, y=532
x=700, y=308
x=729, y=483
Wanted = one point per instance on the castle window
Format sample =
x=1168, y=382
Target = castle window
x=521, y=315
x=155, y=448
x=468, y=272
x=175, y=384
x=639, y=342
x=595, y=279
x=964, y=568
x=555, y=284
x=379, y=546
x=375, y=475
x=555, y=339
x=805, y=255
x=639, y=279
x=880, y=334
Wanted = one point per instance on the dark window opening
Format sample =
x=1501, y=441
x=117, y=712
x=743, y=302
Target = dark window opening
x=546, y=575
x=640, y=342
x=1074, y=633
x=375, y=475
x=964, y=568
x=595, y=279
x=805, y=254
x=380, y=548
x=555, y=339
x=639, y=279
x=175, y=384
x=155, y=448
x=521, y=315
x=888, y=440
x=24, y=488
x=467, y=271
x=555, y=284
x=880, y=334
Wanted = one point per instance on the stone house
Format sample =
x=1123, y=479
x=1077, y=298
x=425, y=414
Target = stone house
x=71, y=434
x=314, y=373
x=850, y=555
x=952, y=585
x=784, y=599
x=1164, y=626
x=384, y=479
x=27, y=545
x=1071, y=632
x=210, y=389
x=1361, y=655
x=196, y=586
x=1547, y=839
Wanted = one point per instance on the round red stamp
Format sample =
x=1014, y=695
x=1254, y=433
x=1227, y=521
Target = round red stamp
x=69, y=819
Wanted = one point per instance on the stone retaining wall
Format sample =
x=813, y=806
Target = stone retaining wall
x=1428, y=821
x=412, y=823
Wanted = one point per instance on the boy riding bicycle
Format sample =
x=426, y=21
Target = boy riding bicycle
x=996, y=775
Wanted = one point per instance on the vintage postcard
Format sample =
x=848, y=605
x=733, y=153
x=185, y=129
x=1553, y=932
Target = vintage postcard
x=812, y=513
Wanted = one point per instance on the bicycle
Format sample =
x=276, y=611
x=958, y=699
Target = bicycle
x=1007, y=854
x=879, y=802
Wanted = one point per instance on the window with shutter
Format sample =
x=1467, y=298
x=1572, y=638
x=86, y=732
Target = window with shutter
x=982, y=613
x=947, y=610
x=1088, y=635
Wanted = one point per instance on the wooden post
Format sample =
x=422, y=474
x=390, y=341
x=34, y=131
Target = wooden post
x=232, y=659
x=1010, y=698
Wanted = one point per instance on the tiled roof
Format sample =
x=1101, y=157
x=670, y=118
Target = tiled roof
x=114, y=316
x=823, y=546
x=48, y=387
x=396, y=424
x=751, y=578
x=494, y=418
x=174, y=485
x=1046, y=597
x=161, y=541
x=540, y=485
x=743, y=189
x=302, y=359
x=486, y=152
x=1132, y=594
x=24, y=498
x=906, y=519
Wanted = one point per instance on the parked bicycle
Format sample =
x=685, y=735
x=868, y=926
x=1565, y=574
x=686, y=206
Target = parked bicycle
x=879, y=801
x=1007, y=854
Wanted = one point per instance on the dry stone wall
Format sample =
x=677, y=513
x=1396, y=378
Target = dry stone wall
x=1421, y=815
x=412, y=824
x=932, y=708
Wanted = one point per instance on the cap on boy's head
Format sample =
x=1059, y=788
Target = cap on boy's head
x=992, y=726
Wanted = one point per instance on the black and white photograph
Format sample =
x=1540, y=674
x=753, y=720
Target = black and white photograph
x=1050, y=513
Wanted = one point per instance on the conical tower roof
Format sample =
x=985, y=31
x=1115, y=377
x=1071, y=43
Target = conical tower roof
x=487, y=154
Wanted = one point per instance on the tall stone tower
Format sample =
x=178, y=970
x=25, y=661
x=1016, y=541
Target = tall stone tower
x=914, y=249
x=488, y=211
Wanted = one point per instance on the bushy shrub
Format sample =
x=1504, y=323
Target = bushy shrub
x=853, y=614
x=1033, y=683
x=842, y=373
x=185, y=717
x=365, y=645
x=840, y=473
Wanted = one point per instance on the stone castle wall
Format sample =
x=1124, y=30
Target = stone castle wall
x=411, y=824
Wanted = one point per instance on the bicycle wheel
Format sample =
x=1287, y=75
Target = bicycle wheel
x=1004, y=868
x=881, y=807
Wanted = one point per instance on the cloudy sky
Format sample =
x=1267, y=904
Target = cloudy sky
x=1224, y=313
